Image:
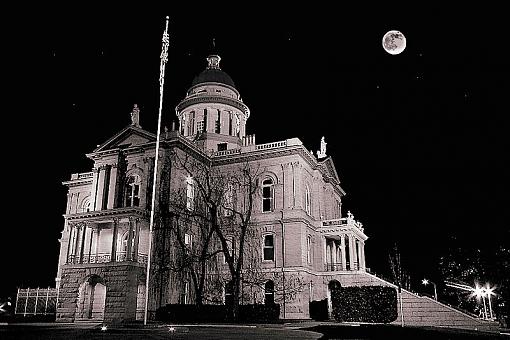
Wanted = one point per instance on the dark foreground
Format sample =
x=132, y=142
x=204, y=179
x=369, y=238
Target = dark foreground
x=285, y=331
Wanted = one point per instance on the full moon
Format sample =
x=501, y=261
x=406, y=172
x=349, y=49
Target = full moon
x=394, y=42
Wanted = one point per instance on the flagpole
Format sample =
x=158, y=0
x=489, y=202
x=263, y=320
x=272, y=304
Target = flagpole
x=164, y=59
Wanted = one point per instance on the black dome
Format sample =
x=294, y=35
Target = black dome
x=213, y=73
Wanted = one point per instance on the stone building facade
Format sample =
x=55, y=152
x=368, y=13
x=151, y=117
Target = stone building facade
x=303, y=232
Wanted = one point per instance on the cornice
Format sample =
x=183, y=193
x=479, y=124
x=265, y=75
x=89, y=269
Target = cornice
x=95, y=216
x=186, y=102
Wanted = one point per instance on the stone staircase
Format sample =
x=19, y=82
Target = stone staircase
x=424, y=311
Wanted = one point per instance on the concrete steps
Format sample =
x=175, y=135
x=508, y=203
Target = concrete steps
x=424, y=311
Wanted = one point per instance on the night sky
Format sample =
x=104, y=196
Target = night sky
x=419, y=139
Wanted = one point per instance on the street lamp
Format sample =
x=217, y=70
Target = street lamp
x=489, y=291
x=480, y=293
x=426, y=282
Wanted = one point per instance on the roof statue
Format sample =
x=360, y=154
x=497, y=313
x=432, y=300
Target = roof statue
x=135, y=116
x=322, y=152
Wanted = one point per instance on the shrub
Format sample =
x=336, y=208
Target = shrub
x=376, y=304
x=217, y=313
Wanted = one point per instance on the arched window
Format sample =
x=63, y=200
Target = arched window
x=268, y=248
x=308, y=201
x=190, y=193
x=133, y=191
x=269, y=293
x=125, y=242
x=85, y=206
x=267, y=195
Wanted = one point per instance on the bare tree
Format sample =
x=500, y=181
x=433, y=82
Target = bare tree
x=191, y=225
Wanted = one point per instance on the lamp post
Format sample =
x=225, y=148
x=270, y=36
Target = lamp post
x=426, y=282
x=489, y=291
x=480, y=293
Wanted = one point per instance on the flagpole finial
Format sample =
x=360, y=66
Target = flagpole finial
x=167, y=17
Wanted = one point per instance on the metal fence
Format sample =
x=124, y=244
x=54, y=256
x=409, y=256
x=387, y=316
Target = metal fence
x=36, y=301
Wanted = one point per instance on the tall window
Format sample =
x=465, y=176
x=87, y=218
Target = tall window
x=309, y=249
x=269, y=293
x=190, y=193
x=308, y=201
x=200, y=126
x=228, y=291
x=188, y=241
x=184, y=292
x=267, y=195
x=269, y=248
x=229, y=200
x=125, y=242
x=217, y=123
x=133, y=191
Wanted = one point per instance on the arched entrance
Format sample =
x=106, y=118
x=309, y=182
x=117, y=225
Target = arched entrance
x=332, y=285
x=91, y=299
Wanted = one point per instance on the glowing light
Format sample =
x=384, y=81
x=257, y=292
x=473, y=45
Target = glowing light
x=425, y=282
x=479, y=292
x=171, y=329
x=103, y=328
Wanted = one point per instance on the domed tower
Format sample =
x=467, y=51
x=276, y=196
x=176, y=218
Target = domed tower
x=213, y=114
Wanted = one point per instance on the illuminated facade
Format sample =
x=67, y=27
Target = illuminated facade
x=303, y=234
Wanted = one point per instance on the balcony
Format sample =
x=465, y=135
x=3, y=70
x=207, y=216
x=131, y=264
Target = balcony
x=105, y=258
x=336, y=267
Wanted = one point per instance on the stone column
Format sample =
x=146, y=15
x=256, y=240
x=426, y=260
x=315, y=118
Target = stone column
x=93, y=196
x=351, y=251
x=325, y=246
x=342, y=249
x=129, y=241
x=82, y=242
x=112, y=193
x=100, y=188
x=98, y=231
x=113, y=257
x=70, y=241
x=333, y=252
x=91, y=234
x=137, y=240
x=362, y=253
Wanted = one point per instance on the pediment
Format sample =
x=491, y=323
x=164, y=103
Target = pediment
x=329, y=169
x=128, y=137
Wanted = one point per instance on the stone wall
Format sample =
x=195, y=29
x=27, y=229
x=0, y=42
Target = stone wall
x=121, y=281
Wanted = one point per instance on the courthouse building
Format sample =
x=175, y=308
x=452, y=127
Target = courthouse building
x=303, y=231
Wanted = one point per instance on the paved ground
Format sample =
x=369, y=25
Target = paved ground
x=279, y=331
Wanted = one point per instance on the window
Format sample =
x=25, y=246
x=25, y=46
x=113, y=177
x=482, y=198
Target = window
x=200, y=126
x=222, y=146
x=269, y=248
x=125, y=242
x=230, y=246
x=190, y=193
x=269, y=293
x=184, y=293
x=133, y=191
x=338, y=209
x=229, y=200
x=308, y=201
x=227, y=293
x=85, y=206
x=267, y=195
x=309, y=249
x=188, y=240
x=217, y=124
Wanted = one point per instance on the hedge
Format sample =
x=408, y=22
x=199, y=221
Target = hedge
x=375, y=304
x=218, y=313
